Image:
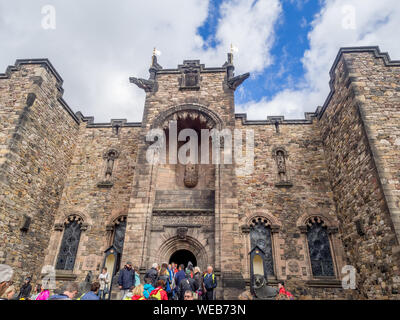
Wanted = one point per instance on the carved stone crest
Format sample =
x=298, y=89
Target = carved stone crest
x=191, y=177
x=182, y=232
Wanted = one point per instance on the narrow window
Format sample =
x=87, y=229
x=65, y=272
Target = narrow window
x=69, y=245
x=260, y=235
x=319, y=247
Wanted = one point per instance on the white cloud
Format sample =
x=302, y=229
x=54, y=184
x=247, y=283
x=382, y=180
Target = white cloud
x=98, y=45
x=376, y=23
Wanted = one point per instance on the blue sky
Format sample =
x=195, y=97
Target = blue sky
x=288, y=46
x=288, y=50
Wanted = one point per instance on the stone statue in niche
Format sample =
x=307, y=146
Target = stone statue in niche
x=191, y=176
x=110, y=157
x=281, y=163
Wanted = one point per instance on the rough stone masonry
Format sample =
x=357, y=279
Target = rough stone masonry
x=77, y=195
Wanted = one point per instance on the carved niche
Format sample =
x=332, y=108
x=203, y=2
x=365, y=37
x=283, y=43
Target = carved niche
x=110, y=156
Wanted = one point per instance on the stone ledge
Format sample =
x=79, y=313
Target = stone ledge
x=324, y=283
x=284, y=184
x=182, y=212
x=64, y=275
x=105, y=184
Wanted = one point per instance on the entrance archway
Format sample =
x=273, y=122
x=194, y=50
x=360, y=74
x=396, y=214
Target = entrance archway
x=175, y=244
x=183, y=257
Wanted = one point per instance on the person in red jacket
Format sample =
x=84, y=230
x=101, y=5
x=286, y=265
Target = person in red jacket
x=159, y=293
x=283, y=291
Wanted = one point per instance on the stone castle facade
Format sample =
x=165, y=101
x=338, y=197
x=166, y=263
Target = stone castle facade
x=325, y=191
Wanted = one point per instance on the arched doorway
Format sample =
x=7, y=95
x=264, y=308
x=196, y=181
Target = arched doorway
x=183, y=257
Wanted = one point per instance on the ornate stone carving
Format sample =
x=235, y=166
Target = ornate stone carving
x=235, y=82
x=189, y=114
x=146, y=85
x=182, y=232
x=191, y=176
x=190, y=79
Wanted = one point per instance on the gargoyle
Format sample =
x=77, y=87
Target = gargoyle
x=235, y=82
x=146, y=85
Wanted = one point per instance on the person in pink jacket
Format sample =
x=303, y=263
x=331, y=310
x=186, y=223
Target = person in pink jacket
x=43, y=295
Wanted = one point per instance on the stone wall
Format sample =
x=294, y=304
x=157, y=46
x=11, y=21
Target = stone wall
x=98, y=206
x=287, y=207
x=38, y=134
x=352, y=127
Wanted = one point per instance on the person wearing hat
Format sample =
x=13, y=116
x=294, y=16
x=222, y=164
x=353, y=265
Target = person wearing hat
x=187, y=284
x=126, y=279
x=6, y=273
x=25, y=290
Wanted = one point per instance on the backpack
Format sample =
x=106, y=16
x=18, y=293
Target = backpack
x=157, y=295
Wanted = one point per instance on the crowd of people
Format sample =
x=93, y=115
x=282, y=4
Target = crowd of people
x=168, y=282
x=165, y=282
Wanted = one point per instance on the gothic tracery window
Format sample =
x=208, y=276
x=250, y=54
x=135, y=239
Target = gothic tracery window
x=69, y=245
x=319, y=248
x=260, y=235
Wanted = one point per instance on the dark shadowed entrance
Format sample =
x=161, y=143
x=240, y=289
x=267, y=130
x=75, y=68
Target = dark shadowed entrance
x=183, y=257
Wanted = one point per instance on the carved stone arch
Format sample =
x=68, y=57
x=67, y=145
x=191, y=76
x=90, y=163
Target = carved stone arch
x=270, y=220
x=117, y=214
x=84, y=220
x=328, y=221
x=190, y=109
x=191, y=244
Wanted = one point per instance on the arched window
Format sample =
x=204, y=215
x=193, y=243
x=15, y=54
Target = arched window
x=260, y=235
x=319, y=248
x=70, y=242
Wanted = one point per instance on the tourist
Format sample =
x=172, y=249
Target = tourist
x=138, y=293
x=25, y=290
x=9, y=292
x=159, y=293
x=137, y=276
x=126, y=280
x=44, y=294
x=209, y=284
x=36, y=292
x=180, y=275
x=165, y=276
x=6, y=273
x=68, y=293
x=148, y=288
x=198, y=278
x=93, y=294
x=174, y=268
x=283, y=293
x=190, y=267
x=188, y=295
x=171, y=281
x=187, y=284
x=104, y=280
x=152, y=273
